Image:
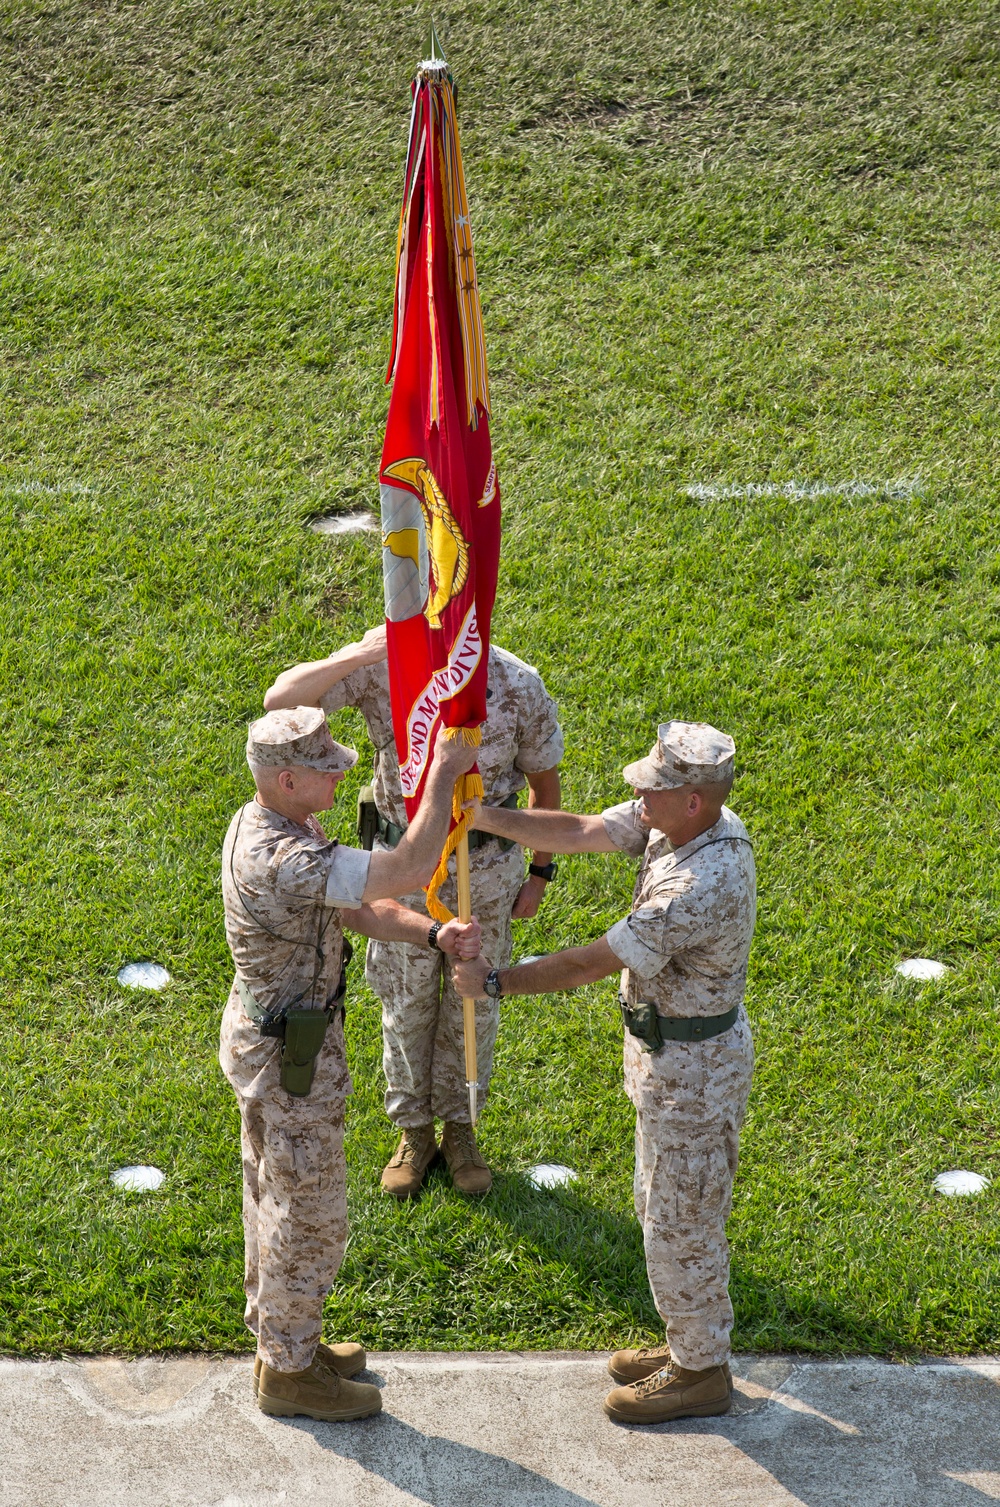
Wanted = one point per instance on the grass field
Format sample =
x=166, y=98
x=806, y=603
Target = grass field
x=750, y=248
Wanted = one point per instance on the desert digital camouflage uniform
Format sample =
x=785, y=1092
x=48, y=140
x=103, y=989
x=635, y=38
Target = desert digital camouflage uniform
x=422, y=1032
x=685, y=947
x=282, y=885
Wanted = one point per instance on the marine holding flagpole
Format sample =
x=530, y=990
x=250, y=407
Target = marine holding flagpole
x=683, y=951
x=288, y=891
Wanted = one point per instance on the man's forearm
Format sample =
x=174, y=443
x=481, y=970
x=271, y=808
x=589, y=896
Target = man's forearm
x=306, y=684
x=547, y=831
x=388, y=921
x=544, y=794
x=424, y=838
x=560, y=970
x=414, y=860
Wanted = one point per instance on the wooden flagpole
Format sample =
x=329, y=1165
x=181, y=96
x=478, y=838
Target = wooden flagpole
x=468, y=1005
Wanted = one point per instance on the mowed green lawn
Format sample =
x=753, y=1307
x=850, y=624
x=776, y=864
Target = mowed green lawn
x=748, y=246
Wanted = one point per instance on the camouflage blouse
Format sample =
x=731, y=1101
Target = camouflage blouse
x=685, y=945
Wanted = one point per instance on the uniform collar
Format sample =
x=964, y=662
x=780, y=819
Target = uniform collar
x=709, y=834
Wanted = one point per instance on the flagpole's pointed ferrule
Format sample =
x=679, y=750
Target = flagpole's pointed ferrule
x=473, y=1101
x=435, y=64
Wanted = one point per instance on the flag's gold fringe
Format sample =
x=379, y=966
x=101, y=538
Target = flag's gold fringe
x=468, y=787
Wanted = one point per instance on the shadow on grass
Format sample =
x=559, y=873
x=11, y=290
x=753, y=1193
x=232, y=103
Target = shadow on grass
x=602, y=1249
x=437, y=1470
x=802, y=1317
x=605, y=1252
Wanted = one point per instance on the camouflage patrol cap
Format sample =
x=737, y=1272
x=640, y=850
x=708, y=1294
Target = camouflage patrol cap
x=685, y=753
x=296, y=735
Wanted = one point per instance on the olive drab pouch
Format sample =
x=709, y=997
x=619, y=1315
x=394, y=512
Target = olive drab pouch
x=642, y=1022
x=305, y=1032
x=367, y=817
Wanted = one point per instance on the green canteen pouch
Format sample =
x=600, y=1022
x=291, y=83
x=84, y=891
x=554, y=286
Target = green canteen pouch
x=367, y=817
x=642, y=1022
x=305, y=1032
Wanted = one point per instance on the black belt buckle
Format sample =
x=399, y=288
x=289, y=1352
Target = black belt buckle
x=642, y=1022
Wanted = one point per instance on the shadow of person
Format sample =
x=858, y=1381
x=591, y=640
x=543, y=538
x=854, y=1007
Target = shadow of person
x=435, y=1469
x=603, y=1250
x=838, y=1434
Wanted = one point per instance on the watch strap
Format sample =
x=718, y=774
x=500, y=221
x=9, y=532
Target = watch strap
x=432, y=936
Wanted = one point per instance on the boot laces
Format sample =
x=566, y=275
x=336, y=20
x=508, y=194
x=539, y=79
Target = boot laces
x=412, y=1149
x=652, y=1352
x=655, y=1382
x=462, y=1138
x=327, y=1372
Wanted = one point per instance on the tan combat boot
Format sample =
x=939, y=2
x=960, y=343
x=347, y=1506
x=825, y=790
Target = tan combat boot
x=469, y=1172
x=347, y=1360
x=670, y=1393
x=403, y=1175
x=317, y=1392
x=628, y=1366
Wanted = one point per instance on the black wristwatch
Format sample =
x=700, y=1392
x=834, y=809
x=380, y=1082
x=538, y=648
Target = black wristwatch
x=544, y=871
x=491, y=984
x=432, y=936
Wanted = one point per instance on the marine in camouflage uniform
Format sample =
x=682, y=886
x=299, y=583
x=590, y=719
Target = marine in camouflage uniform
x=684, y=948
x=282, y=889
x=422, y=1022
x=285, y=887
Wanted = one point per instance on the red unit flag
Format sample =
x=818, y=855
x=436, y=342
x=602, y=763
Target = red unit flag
x=439, y=492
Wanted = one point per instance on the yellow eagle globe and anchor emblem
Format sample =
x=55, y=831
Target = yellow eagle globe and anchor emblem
x=425, y=555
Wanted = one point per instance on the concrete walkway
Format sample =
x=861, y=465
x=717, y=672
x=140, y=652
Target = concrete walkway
x=498, y=1431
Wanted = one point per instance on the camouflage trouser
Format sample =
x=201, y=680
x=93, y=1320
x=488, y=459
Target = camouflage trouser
x=422, y=1030
x=690, y=1101
x=294, y=1221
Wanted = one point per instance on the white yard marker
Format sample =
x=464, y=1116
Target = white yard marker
x=922, y=968
x=551, y=1175
x=143, y=975
x=138, y=1179
x=358, y=522
x=799, y=490
x=960, y=1184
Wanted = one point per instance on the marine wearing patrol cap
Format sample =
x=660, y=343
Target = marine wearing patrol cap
x=685, y=753
x=296, y=735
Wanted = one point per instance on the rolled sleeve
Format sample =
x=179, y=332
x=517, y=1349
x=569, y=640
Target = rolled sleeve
x=348, y=692
x=633, y=949
x=539, y=736
x=365, y=690
x=345, y=884
x=336, y=698
x=324, y=874
x=535, y=756
x=624, y=828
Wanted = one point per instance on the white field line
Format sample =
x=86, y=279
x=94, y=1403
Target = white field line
x=44, y=489
x=804, y=490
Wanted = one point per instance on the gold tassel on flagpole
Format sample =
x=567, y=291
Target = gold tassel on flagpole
x=468, y=787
